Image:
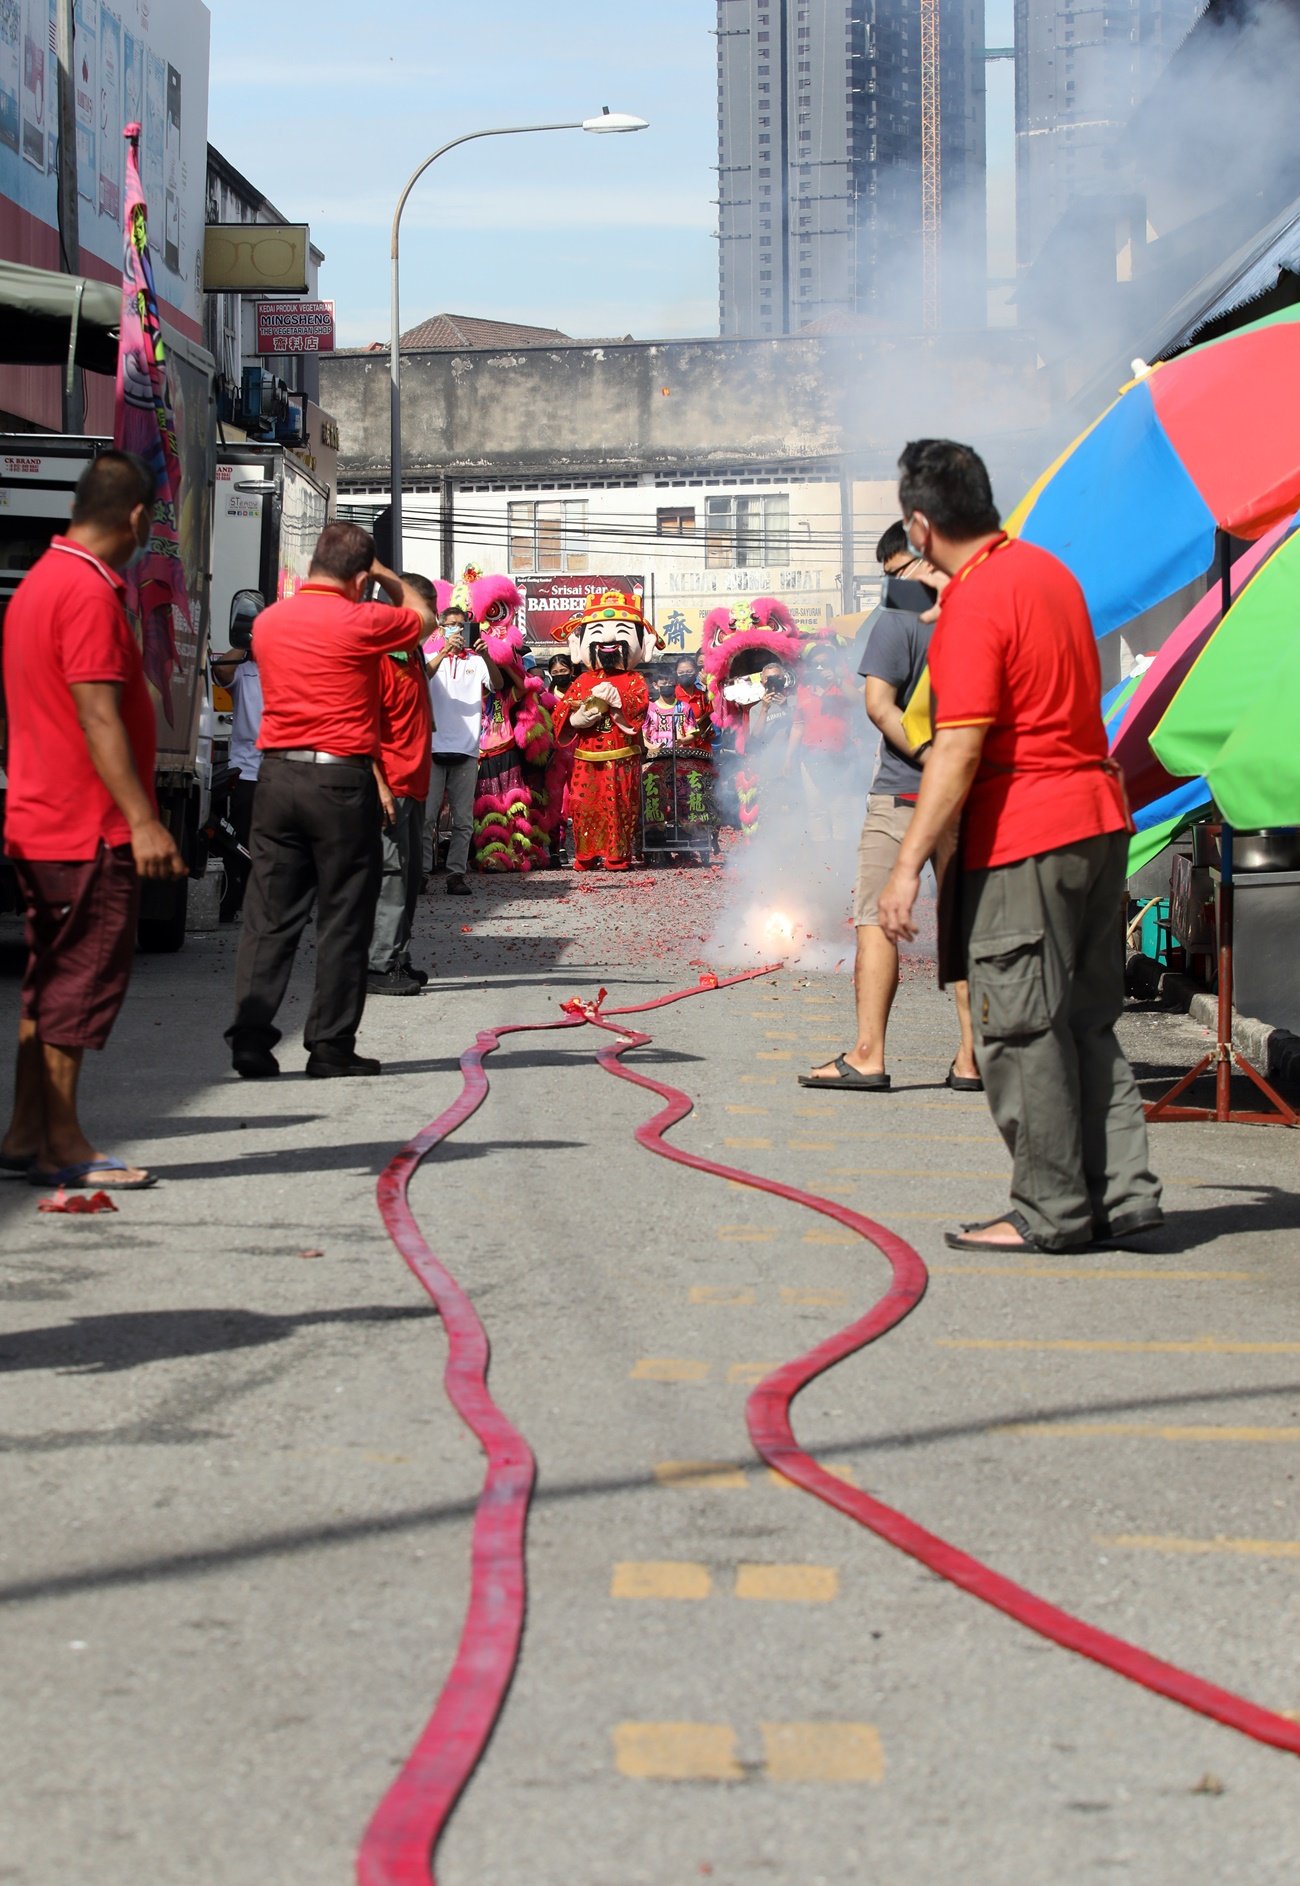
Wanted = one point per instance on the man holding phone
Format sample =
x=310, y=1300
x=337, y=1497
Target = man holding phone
x=316, y=823
x=459, y=671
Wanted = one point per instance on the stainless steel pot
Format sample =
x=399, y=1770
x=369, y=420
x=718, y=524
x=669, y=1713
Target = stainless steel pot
x=1274, y=849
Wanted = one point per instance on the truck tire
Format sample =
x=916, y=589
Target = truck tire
x=162, y=930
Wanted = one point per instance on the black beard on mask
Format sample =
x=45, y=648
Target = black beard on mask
x=611, y=657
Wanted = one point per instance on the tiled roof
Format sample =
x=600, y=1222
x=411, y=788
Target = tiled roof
x=467, y=330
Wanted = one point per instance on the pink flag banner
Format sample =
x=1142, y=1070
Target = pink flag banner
x=143, y=423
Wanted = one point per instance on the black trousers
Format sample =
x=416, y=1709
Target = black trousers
x=315, y=840
x=243, y=793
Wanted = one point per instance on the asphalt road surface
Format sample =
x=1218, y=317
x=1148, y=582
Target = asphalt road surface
x=238, y=1505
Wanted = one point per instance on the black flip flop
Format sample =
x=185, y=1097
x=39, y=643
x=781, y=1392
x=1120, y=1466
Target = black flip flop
x=849, y=1077
x=962, y=1241
x=963, y=1083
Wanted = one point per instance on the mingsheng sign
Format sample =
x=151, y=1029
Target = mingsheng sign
x=295, y=327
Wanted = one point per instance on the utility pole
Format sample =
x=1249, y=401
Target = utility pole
x=931, y=165
x=74, y=404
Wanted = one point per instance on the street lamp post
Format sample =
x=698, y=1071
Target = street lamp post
x=606, y=121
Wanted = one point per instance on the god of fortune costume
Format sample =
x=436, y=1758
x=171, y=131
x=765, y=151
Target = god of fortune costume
x=601, y=718
x=738, y=641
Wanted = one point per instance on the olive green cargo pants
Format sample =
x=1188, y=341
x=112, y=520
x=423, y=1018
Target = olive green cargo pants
x=1045, y=955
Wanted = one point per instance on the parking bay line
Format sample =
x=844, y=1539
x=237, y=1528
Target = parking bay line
x=1146, y=1431
x=1240, y=1548
x=1198, y=1346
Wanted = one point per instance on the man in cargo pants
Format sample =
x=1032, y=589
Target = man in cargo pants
x=1019, y=749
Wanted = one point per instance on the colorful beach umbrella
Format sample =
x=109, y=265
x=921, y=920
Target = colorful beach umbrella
x=1204, y=443
x=1234, y=718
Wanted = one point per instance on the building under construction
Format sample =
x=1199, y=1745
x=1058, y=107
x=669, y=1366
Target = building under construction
x=851, y=163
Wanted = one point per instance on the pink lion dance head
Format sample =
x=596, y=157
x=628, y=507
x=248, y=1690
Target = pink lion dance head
x=494, y=603
x=738, y=640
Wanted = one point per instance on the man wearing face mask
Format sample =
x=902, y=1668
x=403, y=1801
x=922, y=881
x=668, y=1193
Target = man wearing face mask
x=1020, y=751
x=81, y=825
x=898, y=637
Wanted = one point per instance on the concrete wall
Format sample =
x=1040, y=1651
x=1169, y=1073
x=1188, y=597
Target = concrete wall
x=647, y=407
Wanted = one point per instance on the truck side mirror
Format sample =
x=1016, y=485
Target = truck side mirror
x=245, y=608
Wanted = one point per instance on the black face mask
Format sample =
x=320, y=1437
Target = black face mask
x=667, y=689
x=686, y=681
x=562, y=681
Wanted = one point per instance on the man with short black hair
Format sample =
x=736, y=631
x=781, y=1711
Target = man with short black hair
x=897, y=644
x=316, y=832
x=81, y=825
x=1020, y=750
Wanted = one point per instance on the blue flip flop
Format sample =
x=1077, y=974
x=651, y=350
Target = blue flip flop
x=73, y=1178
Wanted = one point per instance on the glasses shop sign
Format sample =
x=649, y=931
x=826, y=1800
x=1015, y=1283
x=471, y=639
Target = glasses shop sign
x=295, y=327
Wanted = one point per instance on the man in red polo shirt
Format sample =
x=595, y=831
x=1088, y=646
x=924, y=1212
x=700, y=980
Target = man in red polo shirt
x=1019, y=745
x=316, y=830
x=81, y=825
x=404, y=770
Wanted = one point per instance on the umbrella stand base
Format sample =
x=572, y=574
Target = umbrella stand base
x=1222, y=1061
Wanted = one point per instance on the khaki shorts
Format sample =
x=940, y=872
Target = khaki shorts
x=882, y=834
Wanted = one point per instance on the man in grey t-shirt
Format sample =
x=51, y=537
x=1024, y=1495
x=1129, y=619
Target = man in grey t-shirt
x=897, y=648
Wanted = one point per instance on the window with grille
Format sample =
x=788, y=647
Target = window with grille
x=549, y=537
x=751, y=532
x=678, y=522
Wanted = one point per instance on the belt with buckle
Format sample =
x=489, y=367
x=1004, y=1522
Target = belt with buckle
x=314, y=757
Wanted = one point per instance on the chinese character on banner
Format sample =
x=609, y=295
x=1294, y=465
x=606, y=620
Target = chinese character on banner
x=675, y=630
x=143, y=424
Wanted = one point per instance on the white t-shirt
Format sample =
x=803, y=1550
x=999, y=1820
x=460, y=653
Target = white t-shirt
x=456, y=691
x=245, y=690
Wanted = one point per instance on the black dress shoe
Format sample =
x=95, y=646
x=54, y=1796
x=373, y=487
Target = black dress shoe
x=417, y=975
x=255, y=1064
x=392, y=982
x=457, y=885
x=330, y=1067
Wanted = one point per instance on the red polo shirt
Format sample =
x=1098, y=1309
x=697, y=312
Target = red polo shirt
x=318, y=656
x=67, y=623
x=405, y=727
x=1014, y=651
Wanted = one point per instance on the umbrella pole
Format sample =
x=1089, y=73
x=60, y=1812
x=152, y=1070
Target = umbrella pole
x=1225, y=1056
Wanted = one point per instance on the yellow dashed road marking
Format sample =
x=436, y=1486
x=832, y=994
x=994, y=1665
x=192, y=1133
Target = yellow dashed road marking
x=724, y=1294
x=780, y=1034
x=1080, y=1273
x=750, y=1371
x=668, y=1369
x=813, y=1113
x=823, y=1751
x=745, y=1234
x=733, y=1108
x=758, y=1080
x=677, y=1751
x=838, y=1236
x=660, y=1578
x=815, y=1299
x=1201, y=1346
x=748, y=1145
x=811, y=1145
x=699, y=1473
x=788, y=1584
x=846, y=1474
x=1144, y=1431
x=1246, y=1548
x=774, y=1054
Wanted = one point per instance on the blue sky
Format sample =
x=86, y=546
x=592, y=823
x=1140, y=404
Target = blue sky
x=597, y=236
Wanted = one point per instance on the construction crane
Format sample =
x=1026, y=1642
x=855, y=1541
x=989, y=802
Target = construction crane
x=931, y=165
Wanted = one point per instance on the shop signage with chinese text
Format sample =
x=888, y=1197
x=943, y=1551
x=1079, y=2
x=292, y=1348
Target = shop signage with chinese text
x=295, y=327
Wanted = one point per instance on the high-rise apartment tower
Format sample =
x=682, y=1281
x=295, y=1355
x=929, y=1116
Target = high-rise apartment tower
x=1082, y=68
x=819, y=163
